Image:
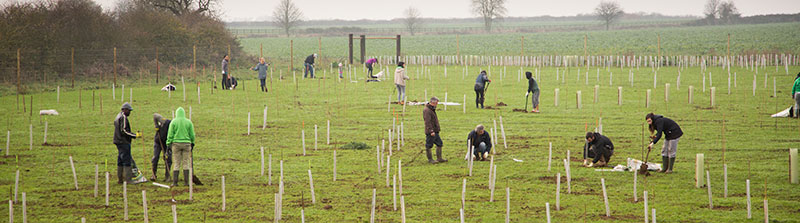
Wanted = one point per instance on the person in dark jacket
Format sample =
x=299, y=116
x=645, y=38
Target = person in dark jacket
x=598, y=147
x=432, y=131
x=122, y=139
x=481, y=142
x=672, y=133
x=262, y=67
x=533, y=88
x=309, y=65
x=480, y=88
x=160, y=145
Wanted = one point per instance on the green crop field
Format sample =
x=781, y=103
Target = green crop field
x=755, y=145
x=736, y=131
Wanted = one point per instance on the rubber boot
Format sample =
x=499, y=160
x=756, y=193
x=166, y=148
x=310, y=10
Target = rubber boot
x=174, y=178
x=186, y=178
x=166, y=175
x=439, y=155
x=671, y=164
x=664, y=164
x=128, y=174
x=430, y=157
x=119, y=175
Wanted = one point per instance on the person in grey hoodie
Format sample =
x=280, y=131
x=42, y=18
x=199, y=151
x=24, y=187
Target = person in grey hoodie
x=480, y=88
x=226, y=75
x=262, y=68
x=122, y=139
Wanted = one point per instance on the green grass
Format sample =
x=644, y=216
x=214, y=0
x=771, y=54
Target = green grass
x=756, y=149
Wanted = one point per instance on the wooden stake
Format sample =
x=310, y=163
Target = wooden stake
x=708, y=186
x=125, y=198
x=144, y=206
x=558, y=191
x=394, y=192
x=311, y=185
x=223, y=192
x=74, y=176
x=372, y=210
x=605, y=197
x=24, y=208
x=547, y=210
x=107, y=188
x=749, y=214
x=403, y=208
x=508, y=204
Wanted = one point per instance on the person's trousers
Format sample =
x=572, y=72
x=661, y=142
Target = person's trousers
x=181, y=156
x=482, y=148
x=401, y=92
x=433, y=140
x=670, y=148
x=225, y=81
x=124, y=154
x=535, y=98
x=369, y=71
x=479, y=97
x=309, y=69
x=157, y=154
x=263, y=84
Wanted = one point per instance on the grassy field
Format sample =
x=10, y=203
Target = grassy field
x=745, y=39
x=756, y=148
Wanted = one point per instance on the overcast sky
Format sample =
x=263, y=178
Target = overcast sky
x=248, y=10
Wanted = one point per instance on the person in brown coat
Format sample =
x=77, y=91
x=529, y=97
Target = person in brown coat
x=432, y=131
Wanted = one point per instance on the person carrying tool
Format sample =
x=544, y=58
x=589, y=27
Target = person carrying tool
x=309, y=65
x=480, y=88
x=533, y=88
x=481, y=142
x=672, y=134
x=180, y=137
x=160, y=145
x=122, y=139
x=598, y=147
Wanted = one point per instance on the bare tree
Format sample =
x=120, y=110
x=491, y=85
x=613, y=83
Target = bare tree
x=728, y=12
x=287, y=16
x=711, y=11
x=180, y=7
x=413, y=19
x=490, y=11
x=609, y=12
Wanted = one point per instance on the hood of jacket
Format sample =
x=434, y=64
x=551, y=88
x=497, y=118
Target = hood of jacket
x=180, y=113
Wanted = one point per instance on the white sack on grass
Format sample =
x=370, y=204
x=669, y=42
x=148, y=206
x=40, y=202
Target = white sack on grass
x=379, y=75
x=441, y=103
x=634, y=164
x=168, y=87
x=782, y=114
x=48, y=112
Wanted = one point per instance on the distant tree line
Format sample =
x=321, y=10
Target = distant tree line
x=47, y=31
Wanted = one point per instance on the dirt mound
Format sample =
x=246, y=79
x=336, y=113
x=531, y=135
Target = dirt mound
x=500, y=104
x=519, y=110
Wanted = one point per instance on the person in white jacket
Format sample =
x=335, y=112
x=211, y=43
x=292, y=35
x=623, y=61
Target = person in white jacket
x=400, y=81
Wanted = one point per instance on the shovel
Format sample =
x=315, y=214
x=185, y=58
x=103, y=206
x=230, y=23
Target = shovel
x=526, y=102
x=643, y=167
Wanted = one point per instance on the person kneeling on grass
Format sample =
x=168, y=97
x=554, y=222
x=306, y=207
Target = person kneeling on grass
x=481, y=142
x=533, y=88
x=598, y=147
x=672, y=134
x=180, y=137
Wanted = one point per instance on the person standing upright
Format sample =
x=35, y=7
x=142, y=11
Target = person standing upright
x=432, y=131
x=122, y=139
x=262, y=67
x=400, y=81
x=226, y=75
x=180, y=138
x=309, y=65
x=480, y=88
x=533, y=88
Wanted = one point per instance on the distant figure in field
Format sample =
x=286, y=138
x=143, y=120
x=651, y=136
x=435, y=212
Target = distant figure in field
x=598, y=147
x=122, y=139
x=309, y=65
x=432, y=131
x=262, y=67
x=226, y=82
x=481, y=142
x=533, y=88
x=795, y=111
x=672, y=134
x=369, y=63
x=480, y=88
x=341, y=70
x=400, y=81
x=160, y=145
x=180, y=137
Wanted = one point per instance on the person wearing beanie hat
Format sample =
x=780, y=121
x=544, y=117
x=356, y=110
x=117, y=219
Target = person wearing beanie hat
x=598, y=147
x=533, y=88
x=309, y=65
x=122, y=139
x=480, y=88
x=400, y=78
x=160, y=145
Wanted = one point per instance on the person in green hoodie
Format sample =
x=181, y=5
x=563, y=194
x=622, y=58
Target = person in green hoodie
x=796, y=96
x=180, y=137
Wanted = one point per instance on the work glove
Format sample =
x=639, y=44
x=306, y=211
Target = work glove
x=650, y=146
x=489, y=81
x=527, y=93
x=590, y=165
x=138, y=134
x=585, y=162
